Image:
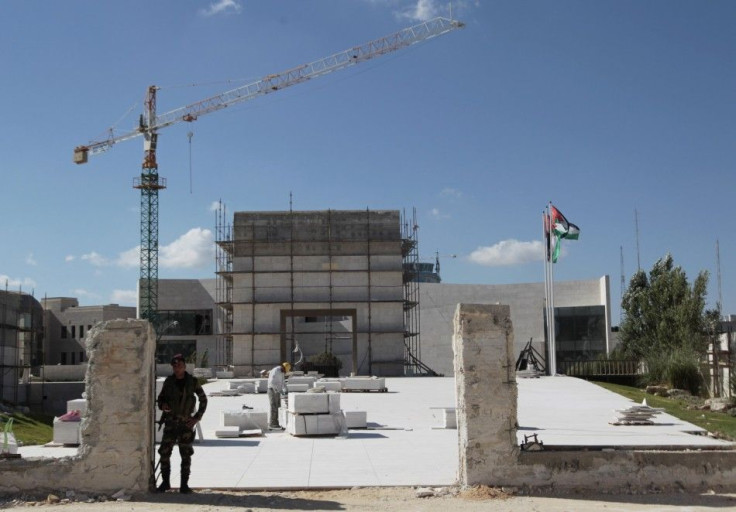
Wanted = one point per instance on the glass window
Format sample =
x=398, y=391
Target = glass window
x=81, y=331
x=63, y=358
x=63, y=332
x=580, y=332
x=185, y=322
x=74, y=327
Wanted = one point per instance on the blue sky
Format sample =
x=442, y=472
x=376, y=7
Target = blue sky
x=602, y=107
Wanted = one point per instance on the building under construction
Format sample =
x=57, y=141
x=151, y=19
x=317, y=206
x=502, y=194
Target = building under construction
x=21, y=344
x=294, y=285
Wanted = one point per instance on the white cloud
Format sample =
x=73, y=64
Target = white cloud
x=84, y=294
x=215, y=206
x=435, y=213
x=423, y=10
x=222, y=7
x=124, y=297
x=31, y=260
x=452, y=193
x=129, y=258
x=13, y=283
x=508, y=253
x=95, y=259
x=195, y=248
x=69, y=258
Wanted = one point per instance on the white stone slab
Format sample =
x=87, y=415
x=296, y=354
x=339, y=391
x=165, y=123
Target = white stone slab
x=309, y=403
x=313, y=424
x=334, y=402
x=261, y=385
x=363, y=384
x=244, y=419
x=356, y=419
x=227, y=432
x=236, y=383
x=224, y=374
x=329, y=385
x=66, y=432
x=203, y=373
x=12, y=445
x=450, y=417
x=296, y=388
x=298, y=379
x=78, y=404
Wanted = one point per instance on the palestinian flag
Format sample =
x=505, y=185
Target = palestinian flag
x=561, y=228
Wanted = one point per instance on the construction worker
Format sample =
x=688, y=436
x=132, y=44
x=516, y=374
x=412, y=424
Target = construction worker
x=276, y=386
x=176, y=400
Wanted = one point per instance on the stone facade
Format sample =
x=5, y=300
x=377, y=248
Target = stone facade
x=117, y=430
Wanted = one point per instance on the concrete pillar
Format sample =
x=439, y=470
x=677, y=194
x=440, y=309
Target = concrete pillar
x=485, y=387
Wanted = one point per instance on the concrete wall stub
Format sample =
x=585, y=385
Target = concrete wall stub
x=117, y=430
x=486, y=395
x=486, y=392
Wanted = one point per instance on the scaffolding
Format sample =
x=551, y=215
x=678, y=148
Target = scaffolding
x=223, y=313
x=21, y=346
x=335, y=274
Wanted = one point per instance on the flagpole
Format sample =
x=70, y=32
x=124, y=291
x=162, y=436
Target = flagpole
x=546, y=227
x=552, y=326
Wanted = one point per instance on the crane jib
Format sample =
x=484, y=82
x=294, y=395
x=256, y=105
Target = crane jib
x=278, y=81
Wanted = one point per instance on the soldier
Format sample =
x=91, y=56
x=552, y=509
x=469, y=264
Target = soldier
x=176, y=400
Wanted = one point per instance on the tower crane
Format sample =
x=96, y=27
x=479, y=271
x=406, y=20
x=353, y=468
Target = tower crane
x=149, y=182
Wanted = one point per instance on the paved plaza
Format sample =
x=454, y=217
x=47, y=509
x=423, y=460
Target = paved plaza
x=405, y=443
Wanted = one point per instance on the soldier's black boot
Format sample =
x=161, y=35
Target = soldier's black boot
x=165, y=485
x=184, y=486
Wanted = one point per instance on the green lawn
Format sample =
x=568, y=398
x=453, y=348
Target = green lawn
x=29, y=430
x=718, y=423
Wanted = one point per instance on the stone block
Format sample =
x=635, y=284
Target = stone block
x=363, y=384
x=329, y=385
x=356, y=419
x=203, y=373
x=309, y=403
x=296, y=388
x=298, y=379
x=224, y=374
x=11, y=446
x=450, y=417
x=227, y=432
x=314, y=424
x=244, y=419
x=66, y=432
x=78, y=404
x=261, y=385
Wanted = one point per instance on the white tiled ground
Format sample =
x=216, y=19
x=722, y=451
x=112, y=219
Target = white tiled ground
x=405, y=447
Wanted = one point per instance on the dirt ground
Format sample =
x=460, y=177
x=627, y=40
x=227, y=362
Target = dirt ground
x=383, y=499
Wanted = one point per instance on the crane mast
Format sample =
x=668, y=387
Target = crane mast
x=149, y=182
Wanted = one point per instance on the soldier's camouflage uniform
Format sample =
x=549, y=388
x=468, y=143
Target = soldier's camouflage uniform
x=179, y=395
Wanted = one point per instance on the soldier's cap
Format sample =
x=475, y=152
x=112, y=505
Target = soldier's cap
x=177, y=358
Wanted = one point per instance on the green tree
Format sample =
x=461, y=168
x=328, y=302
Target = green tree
x=665, y=322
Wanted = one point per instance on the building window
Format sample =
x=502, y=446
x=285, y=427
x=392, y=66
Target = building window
x=63, y=332
x=74, y=327
x=580, y=332
x=63, y=358
x=74, y=357
x=81, y=331
x=81, y=357
x=186, y=322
